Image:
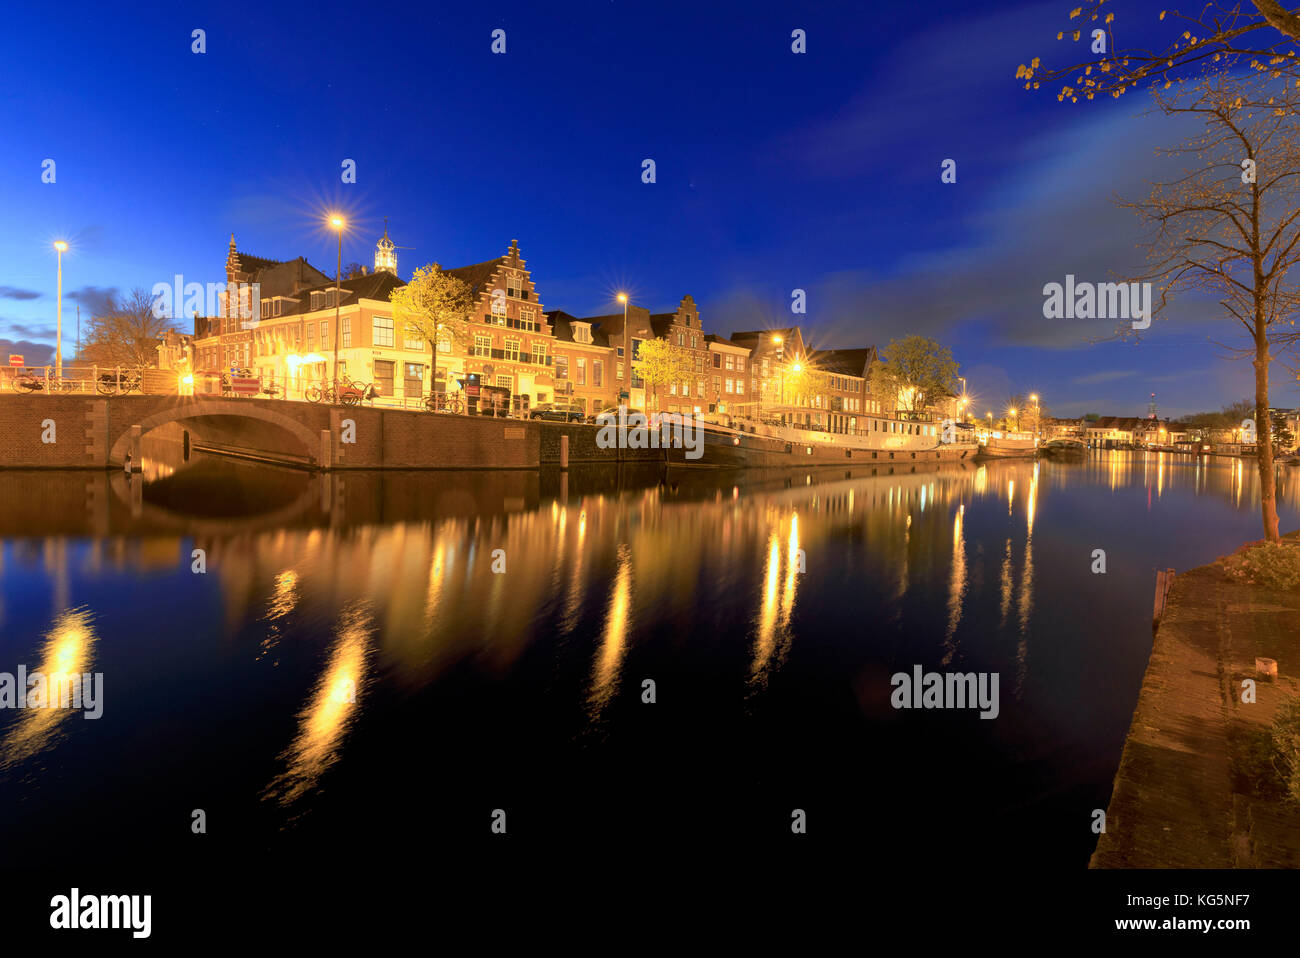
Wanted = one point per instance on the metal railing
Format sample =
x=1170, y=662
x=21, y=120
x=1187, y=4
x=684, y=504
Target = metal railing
x=87, y=380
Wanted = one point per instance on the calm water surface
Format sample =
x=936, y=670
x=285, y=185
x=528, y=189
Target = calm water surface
x=350, y=670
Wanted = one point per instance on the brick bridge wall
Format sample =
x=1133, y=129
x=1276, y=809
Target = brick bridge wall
x=96, y=433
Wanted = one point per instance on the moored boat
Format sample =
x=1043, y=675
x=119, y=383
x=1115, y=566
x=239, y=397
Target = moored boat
x=1008, y=447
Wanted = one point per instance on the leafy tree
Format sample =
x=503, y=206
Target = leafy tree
x=353, y=270
x=1259, y=35
x=126, y=332
x=660, y=363
x=915, y=371
x=1283, y=438
x=436, y=305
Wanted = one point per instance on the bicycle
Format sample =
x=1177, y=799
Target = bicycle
x=452, y=404
x=110, y=384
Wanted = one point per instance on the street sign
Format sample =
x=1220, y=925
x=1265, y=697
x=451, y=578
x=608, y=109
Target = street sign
x=15, y=359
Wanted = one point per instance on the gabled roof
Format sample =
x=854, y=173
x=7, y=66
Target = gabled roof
x=378, y=286
x=844, y=362
x=477, y=276
x=562, y=328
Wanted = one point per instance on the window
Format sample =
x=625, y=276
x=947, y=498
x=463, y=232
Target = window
x=277, y=308
x=699, y=391
x=324, y=334
x=717, y=362
x=717, y=384
x=619, y=351
x=347, y=332
x=539, y=353
x=505, y=382
x=444, y=342
x=384, y=376
x=731, y=361
x=411, y=337
x=383, y=331
x=512, y=349
x=561, y=367
x=681, y=338
x=582, y=371
x=527, y=320
x=618, y=371
x=731, y=386
x=483, y=346
x=636, y=349
x=512, y=285
x=740, y=364
x=686, y=388
x=597, y=373
x=311, y=336
x=695, y=341
x=317, y=299
x=699, y=364
x=740, y=387
x=266, y=309
x=413, y=380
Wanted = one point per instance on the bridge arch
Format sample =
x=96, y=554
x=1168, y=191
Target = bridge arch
x=240, y=409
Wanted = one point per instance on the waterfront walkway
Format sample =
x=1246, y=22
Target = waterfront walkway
x=1192, y=790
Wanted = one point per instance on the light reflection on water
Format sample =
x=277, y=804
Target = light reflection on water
x=334, y=615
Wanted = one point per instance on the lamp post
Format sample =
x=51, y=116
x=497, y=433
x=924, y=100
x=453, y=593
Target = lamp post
x=1033, y=398
x=337, y=223
x=60, y=247
x=627, y=353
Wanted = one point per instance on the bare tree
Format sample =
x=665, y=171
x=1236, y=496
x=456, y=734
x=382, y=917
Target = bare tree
x=1217, y=38
x=126, y=332
x=1229, y=226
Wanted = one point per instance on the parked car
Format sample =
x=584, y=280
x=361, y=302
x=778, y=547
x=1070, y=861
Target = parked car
x=609, y=413
x=556, y=412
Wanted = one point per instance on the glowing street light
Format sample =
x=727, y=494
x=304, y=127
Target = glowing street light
x=336, y=221
x=61, y=247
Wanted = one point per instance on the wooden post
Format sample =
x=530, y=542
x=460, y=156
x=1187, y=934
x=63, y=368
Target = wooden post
x=1164, y=582
x=135, y=463
x=326, y=450
x=564, y=452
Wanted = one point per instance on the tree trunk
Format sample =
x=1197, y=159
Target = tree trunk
x=1264, y=435
x=433, y=375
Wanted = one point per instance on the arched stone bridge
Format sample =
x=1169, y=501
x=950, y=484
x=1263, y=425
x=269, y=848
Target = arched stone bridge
x=69, y=432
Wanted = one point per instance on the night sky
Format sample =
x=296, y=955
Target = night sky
x=775, y=171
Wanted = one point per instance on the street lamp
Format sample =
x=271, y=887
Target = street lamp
x=627, y=351
x=337, y=223
x=61, y=247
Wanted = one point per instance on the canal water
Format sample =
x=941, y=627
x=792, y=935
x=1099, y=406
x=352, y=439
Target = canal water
x=395, y=662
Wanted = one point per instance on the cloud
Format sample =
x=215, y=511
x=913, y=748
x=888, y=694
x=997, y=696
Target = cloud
x=13, y=292
x=95, y=299
x=34, y=354
x=1106, y=376
x=28, y=330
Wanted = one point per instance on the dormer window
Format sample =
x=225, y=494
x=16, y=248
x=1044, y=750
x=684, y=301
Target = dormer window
x=582, y=332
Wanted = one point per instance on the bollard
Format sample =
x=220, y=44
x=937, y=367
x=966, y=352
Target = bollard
x=564, y=452
x=326, y=450
x=135, y=462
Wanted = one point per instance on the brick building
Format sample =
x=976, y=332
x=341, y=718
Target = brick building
x=584, y=363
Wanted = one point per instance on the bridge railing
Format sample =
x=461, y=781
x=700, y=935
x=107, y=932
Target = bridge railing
x=87, y=380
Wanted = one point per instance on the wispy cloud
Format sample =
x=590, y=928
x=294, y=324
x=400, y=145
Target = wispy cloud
x=13, y=292
x=1106, y=376
x=96, y=299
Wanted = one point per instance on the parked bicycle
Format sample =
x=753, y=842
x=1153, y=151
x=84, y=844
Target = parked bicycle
x=110, y=384
x=349, y=393
x=436, y=402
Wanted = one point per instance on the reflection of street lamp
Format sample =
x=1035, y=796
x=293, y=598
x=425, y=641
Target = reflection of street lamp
x=1011, y=413
x=58, y=323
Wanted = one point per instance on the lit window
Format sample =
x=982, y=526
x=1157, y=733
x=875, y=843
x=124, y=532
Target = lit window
x=483, y=346
x=383, y=330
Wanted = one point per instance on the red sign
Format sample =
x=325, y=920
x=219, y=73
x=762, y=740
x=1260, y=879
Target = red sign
x=15, y=359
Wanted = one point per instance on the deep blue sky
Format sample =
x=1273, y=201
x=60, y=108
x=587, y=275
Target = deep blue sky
x=775, y=171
